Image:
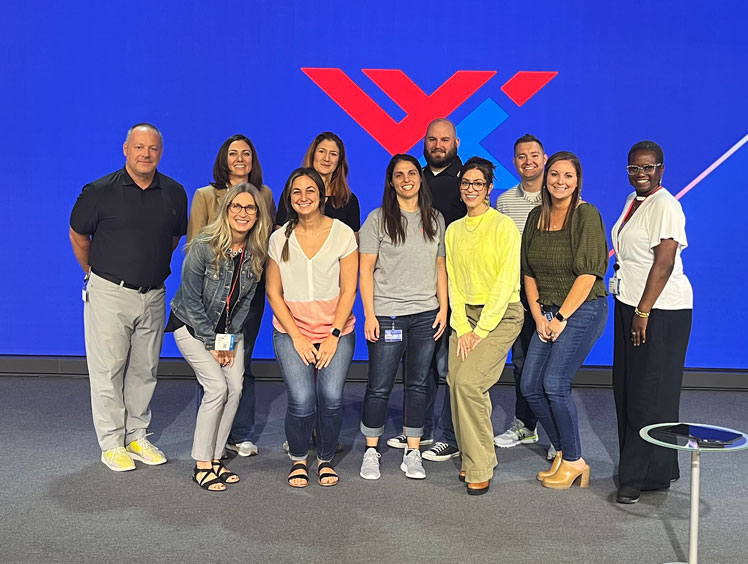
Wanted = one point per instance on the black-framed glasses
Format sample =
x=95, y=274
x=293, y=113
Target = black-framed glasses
x=476, y=185
x=648, y=168
x=250, y=209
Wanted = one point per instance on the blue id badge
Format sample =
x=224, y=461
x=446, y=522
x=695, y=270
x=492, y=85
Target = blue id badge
x=393, y=335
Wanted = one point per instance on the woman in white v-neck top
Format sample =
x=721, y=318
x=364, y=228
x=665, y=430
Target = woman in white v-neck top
x=311, y=286
x=653, y=306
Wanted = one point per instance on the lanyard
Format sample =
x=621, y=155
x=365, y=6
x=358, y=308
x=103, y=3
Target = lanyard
x=231, y=292
x=635, y=204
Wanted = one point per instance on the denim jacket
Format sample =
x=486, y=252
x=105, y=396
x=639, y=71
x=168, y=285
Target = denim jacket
x=201, y=298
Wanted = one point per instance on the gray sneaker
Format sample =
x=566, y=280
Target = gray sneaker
x=515, y=435
x=370, y=464
x=413, y=465
x=551, y=453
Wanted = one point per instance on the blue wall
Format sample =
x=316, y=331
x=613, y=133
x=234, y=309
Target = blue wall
x=75, y=75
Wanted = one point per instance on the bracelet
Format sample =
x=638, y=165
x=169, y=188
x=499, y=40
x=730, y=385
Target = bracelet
x=641, y=313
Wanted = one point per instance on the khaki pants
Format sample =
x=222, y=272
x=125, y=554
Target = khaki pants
x=469, y=382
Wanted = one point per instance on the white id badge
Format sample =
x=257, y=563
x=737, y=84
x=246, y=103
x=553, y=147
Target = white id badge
x=393, y=335
x=84, y=291
x=224, y=342
x=614, y=285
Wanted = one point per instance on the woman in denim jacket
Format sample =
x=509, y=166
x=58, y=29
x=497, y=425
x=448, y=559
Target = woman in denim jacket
x=219, y=278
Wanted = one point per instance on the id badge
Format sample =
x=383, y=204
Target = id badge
x=614, y=285
x=84, y=291
x=224, y=342
x=393, y=335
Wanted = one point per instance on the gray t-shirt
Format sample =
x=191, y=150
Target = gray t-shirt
x=404, y=275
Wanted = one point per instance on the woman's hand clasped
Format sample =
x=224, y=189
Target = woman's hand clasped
x=467, y=343
x=305, y=349
x=326, y=351
x=224, y=358
x=555, y=328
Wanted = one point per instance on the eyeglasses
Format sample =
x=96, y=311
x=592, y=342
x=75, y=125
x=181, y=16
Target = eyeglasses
x=636, y=169
x=251, y=209
x=477, y=185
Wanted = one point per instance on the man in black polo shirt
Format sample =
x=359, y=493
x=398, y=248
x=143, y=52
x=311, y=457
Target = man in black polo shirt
x=442, y=174
x=124, y=228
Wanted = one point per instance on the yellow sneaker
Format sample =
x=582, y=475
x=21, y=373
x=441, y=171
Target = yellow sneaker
x=117, y=459
x=142, y=449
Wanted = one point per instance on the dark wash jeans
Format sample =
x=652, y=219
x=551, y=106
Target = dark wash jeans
x=310, y=397
x=416, y=350
x=550, y=368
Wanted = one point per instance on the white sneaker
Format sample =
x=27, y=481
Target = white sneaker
x=413, y=465
x=117, y=459
x=245, y=448
x=515, y=435
x=370, y=464
x=551, y=453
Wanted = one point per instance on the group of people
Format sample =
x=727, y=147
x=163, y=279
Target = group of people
x=449, y=286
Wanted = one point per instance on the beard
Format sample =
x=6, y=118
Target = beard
x=439, y=161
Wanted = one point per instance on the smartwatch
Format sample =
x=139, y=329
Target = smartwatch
x=559, y=316
x=335, y=332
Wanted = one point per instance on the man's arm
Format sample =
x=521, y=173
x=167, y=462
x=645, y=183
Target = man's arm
x=81, y=246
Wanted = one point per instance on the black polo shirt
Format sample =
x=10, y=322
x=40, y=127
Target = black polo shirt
x=445, y=191
x=131, y=229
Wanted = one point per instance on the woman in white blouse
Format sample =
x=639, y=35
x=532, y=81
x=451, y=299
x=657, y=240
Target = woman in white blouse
x=653, y=305
x=311, y=285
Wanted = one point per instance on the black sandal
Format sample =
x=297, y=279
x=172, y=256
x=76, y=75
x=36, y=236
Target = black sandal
x=205, y=482
x=223, y=473
x=322, y=475
x=299, y=475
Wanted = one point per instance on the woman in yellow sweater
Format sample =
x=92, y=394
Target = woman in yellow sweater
x=483, y=269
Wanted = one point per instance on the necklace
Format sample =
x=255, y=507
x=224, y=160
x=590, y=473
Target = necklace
x=235, y=252
x=477, y=225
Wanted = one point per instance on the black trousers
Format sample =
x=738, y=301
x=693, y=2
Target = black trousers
x=647, y=382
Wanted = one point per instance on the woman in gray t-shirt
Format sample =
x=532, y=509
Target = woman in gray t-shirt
x=404, y=292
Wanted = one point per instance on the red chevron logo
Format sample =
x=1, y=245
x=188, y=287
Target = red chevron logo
x=420, y=108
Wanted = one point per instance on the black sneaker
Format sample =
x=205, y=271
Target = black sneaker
x=628, y=495
x=441, y=451
x=401, y=441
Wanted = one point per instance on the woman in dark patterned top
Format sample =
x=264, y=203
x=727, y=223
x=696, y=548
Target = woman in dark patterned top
x=326, y=155
x=564, y=259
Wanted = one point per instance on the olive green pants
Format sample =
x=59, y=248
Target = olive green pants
x=469, y=382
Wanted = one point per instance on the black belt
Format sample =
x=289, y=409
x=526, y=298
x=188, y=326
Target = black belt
x=115, y=280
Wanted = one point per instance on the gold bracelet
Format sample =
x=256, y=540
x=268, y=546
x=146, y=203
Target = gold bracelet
x=641, y=313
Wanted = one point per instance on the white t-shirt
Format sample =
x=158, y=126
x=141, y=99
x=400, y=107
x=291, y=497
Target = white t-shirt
x=311, y=286
x=659, y=217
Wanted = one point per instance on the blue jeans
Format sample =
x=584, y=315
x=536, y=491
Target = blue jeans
x=522, y=409
x=550, y=368
x=417, y=348
x=438, y=377
x=309, y=396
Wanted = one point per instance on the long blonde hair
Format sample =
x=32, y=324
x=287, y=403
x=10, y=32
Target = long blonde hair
x=218, y=232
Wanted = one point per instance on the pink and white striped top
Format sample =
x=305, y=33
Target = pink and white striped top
x=311, y=287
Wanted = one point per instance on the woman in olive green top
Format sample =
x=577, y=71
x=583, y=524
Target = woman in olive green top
x=564, y=259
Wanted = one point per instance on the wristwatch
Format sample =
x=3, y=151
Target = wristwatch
x=335, y=332
x=560, y=317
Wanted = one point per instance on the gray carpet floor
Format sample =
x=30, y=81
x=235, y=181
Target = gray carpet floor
x=58, y=503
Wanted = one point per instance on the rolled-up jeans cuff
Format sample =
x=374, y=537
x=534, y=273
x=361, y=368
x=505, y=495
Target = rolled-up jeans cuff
x=298, y=458
x=413, y=431
x=370, y=432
